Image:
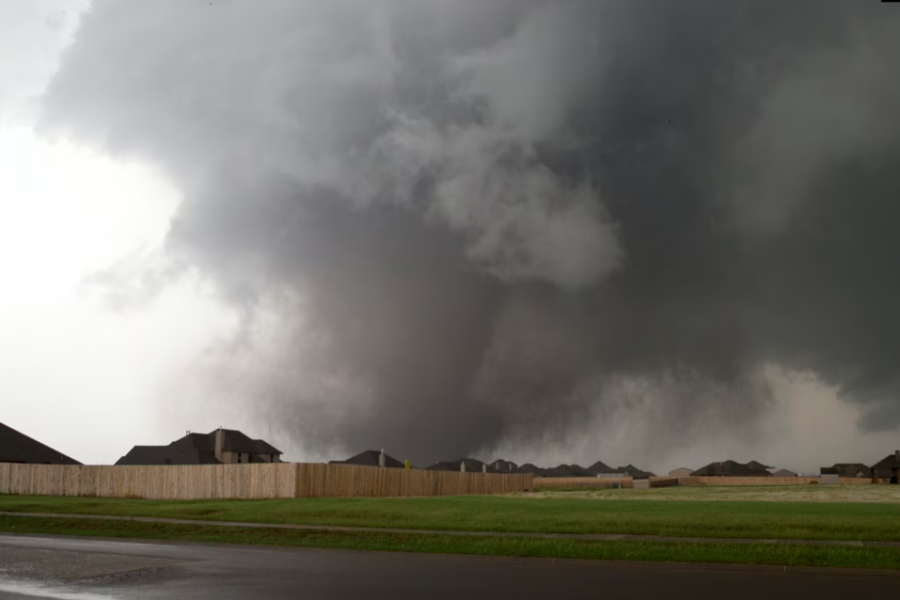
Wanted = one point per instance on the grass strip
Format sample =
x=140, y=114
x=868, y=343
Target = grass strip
x=761, y=520
x=720, y=553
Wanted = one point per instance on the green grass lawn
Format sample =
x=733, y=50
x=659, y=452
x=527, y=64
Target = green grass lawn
x=759, y=554
x=784, y=520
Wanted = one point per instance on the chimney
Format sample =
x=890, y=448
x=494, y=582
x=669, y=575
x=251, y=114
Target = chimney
x=381, y=461
x=220, y=443
x=462, y=466
x=484, y=468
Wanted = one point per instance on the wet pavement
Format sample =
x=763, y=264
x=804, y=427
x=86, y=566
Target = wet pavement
x=98, y=569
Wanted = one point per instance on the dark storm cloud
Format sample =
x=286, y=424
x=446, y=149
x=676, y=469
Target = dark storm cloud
x=485, y=210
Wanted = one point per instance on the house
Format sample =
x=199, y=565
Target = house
x=222, y=446
x=633, y=472
x=371, y=458
x=16, y=447
x=758, y=466
x=566, y=471
x=847, y=470
x=783, y=473
x=530, y=468
x=599, y=468
x=502, y=466
x=681, y=472
x=472, y=465
x=888, y=467
x=730, y=468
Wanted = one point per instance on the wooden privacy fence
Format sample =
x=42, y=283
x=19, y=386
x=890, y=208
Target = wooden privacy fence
x=279, y=480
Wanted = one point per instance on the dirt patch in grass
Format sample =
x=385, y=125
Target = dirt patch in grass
x=889, y=494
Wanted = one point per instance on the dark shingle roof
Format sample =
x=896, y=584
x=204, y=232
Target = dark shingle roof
x=888, y=462
x=729, y=468
x=192, y=449
x=18, y=447
x=784, y=473
x=566, y=471
x=502, y=466
x=196, y=449
x=634, y=472
x=369, y=458
x=758, y=466
x=529, y=468
x=238, y=441
x=599, y=467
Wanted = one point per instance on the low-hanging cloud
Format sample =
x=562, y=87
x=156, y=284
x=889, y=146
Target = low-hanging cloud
x=489, y=222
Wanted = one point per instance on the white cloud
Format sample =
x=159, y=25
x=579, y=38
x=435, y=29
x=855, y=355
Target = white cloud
x=33, y=33
x=76, y=375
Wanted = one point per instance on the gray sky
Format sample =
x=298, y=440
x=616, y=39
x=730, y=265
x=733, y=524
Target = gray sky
x=647, y=232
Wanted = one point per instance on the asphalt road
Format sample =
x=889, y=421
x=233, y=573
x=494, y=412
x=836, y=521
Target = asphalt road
x=92, y=569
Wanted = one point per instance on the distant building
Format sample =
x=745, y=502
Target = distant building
x=783, y=473
x=529, y=468
x=472, y=465
x=758, y=466
x=371, y=458
x=502, y=466
x=847, y=470
x=633, y=472
x=888, y=468
x=730, y=468
x=566, y=471
x=682, y=472
x=16, y=447
x=222, y=446
x=600, y=468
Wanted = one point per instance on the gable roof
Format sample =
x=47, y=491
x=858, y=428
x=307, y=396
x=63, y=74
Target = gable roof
x=599, y=467
x=688, y=469
x=238, y=441
x=784, y=473
x=369, y=458
x=758, y=466
x=192, y=449
x=529, y=468
x=19, y=448
x=634, y=472
x=729, y=468
x=891, y=461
